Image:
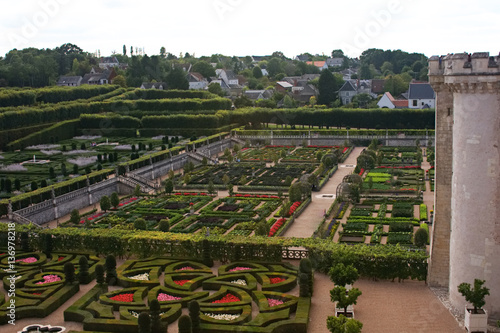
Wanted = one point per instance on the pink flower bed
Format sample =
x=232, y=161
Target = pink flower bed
x=274, y=302
x=28, y=260
x=236, y=269
x=167, y=297
x=186, y=268
x=228, y=298
x=49, y=279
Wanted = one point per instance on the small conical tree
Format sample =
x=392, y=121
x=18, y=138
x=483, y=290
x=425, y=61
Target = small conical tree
x=207, y=259
x=304, y=285
x=305, y=266
x=185, y=325
x=25, y=242
x=421, y=237
x=111, y=276
x=154, y=311
x=114, y=199
x=194, y=314
x=75, y=216
x=69, y=272
x=83, y=276
x=99, y=273
x=144, y=322
x=47, y=244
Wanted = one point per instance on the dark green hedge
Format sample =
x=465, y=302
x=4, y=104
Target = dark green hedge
x=108, y=120
x=148, y=94
x=62, y=131
x=183, y=121
x=19, y=133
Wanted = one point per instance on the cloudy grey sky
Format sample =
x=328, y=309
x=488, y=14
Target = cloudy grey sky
x=257, y=27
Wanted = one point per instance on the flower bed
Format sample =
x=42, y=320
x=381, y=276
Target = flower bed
x=228, y=298
x=276, y=280
x=49, y=279
x=93, y=217
x=181, y=282
x=126, y=202
x=28, y=260
x=240, y=282
x=166, y=297
x=274, y=302
x=237, y=269
x=139, y=277
x=222, y=316
x=294, y=207
x=276, y=226
x=127, y=298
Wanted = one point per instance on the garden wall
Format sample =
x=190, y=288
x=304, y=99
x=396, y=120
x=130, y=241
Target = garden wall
x=62, y=205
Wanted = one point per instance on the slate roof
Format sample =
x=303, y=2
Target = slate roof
x=108, y=60
x=347, y=87
x=155, y=85
x=303, y=57
x=421, y=91
x=69, y=80
x=378, y=86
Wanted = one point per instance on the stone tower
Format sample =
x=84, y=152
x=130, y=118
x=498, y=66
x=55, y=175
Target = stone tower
x=465, y=243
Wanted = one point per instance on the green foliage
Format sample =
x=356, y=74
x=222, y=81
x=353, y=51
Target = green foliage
x=185, y=325
x=176, y=79
x=114, y=199
x=169, y=186
x=207, y=257
x=74, y=216
x=99, y=273
x=144, y=321
x=105, y=203
x=83, y=266
x=154, y=311
x=111, y=277
x=137, y=191
x=342, y=275
x=140, y=224
x=343, y=298
x=194, y=314
x=304, y=285
x=342, y=324
x=474, y=295
x=69, y=272
x=421, y=237
x=164, y=225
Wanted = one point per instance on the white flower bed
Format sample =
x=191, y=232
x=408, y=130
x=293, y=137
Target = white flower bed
x=40, y=147
x=123, y=147
x=77, y=151
x=136, y=314
x=83, y=161
x=1, y=157
x=159, y=137
x=14, y=167
x=222, y=316
x=240, y=282
x=87, y=137
x=50, y=152
x=141, y=277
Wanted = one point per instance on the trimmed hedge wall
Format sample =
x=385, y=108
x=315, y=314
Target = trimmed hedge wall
x=63, y=131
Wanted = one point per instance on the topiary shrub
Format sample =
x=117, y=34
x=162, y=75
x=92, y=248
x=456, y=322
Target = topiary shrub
x=207, y=259
x=154, y=311
x=25, y=242
x=305, y=267
x=421, y=237
x=185, y=325
x=99, y=273
x=111, y=277
x=69, y=272
x=144, y=322
x=342, y=275
x=140, y=224
x=194, y=314
x=303, y=285
x=164, y=225
x=47, y=244
x=84, y=276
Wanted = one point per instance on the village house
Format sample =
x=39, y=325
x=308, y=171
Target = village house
x=389, y=102
x=69, y=81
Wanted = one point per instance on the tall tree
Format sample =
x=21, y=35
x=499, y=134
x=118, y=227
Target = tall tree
x=176, y=79
x=124, y=50
x=327, y=88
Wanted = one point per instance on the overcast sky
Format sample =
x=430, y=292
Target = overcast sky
x=257, y=27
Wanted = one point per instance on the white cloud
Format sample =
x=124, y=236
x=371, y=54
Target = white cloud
x=241, y=27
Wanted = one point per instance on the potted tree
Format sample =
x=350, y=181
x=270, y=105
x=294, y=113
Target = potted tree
x=344, y=300
x=476, y=318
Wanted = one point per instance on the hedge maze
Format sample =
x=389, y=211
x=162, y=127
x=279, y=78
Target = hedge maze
x=241, y=297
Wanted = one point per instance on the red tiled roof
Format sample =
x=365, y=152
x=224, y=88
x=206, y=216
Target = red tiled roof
x=316, y=63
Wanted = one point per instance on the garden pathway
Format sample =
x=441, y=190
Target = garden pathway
x=307, y=223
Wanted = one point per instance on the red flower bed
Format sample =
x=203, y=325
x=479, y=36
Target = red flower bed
x=276, y=226
x=128, y=298
x=60, y=258
x=93, y=217
x=127, y=202
x=362, y=172
x=36, y=294
x=181, y=282
x=276, y=280
x=294, y=207
x=345, y=149
x=228, y=298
